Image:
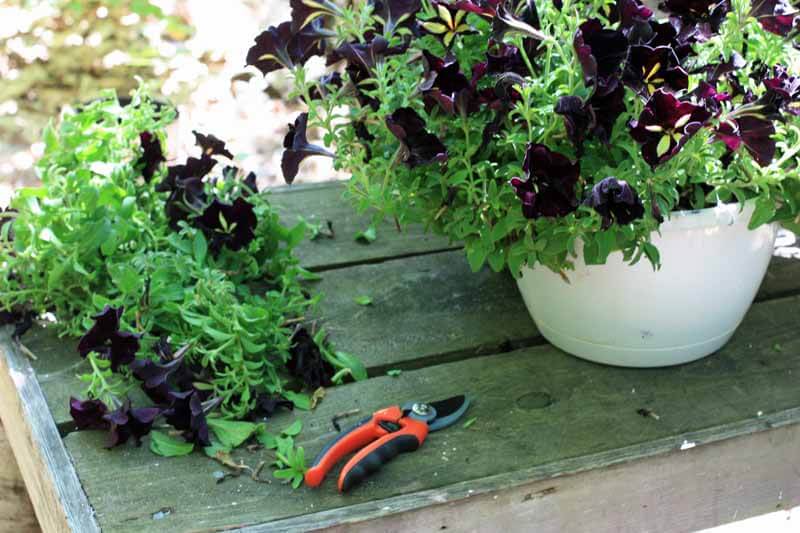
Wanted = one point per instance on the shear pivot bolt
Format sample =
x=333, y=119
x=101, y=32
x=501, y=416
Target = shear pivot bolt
x=421, y=409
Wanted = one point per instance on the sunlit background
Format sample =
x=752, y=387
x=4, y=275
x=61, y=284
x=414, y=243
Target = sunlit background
x=56, y=53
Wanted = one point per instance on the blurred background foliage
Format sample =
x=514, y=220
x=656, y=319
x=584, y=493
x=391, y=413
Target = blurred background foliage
x=56, y=53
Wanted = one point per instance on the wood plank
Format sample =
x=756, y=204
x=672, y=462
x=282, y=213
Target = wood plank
x=16, y=511
x=323, y=202
x=50, y=478
x=426, y=309
x=679, y=491
x=539, y=414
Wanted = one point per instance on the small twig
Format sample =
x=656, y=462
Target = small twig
x=257, y=471
x=295, y=320
x=24, y=349
x=340, y=416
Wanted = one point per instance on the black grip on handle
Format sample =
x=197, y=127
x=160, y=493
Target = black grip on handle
x=375, y=460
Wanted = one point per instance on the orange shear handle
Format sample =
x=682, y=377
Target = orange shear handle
x=353, y=439
x=408, y=438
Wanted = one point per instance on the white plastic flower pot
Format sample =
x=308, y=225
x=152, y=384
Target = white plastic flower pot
x=617, y=314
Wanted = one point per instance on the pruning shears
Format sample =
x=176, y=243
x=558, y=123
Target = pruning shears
x=379, y=438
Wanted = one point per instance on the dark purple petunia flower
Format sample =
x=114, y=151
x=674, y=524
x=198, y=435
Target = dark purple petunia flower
x=420, y=147
x=753, y=132
x=297, y=148
x=649, y=69
x=449, y=23
x=126, y=422
x=152, y=155
x=484, y=8
x=579, y=120
x=88, y=414
x=211, y=145
x=631, y=13
x=445, y=85
x=504, y=58
x=105, y=339
x=665, y=125
x=615, y=201
x=279, y=47
x=601, y=53
x=785, y=89
x=549, y=190
x=160, y=378
x=268, y=404
x=776, y=16
x=707, y=95
x=364, y=56
x=524, y=22
x=186, y=413
x=396, y=13
x=230, y=225
x=194, y=168
x=307, y=363
x=595, y=117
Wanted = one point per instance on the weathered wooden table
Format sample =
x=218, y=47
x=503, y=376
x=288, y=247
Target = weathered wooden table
x=558, y=444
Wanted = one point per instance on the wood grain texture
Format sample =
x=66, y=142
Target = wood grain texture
x=50, y=478
x=320, y=203
x=16, y=512
x=539, y=414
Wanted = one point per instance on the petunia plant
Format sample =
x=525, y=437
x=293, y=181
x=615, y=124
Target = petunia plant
x=524, y=128
x=178, y=277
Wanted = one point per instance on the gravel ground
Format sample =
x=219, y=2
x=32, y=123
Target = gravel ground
x=213, y=89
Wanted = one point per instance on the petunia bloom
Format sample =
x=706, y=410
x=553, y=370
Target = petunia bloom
x=753, y=132
x=776, y=16
x=665, y=125
x=549, y=189
x=230, y=225
x=395, y=13
x=484, y=8
x=107, y=341
x=88, y=414
x=420, y=147
x=126, y=422
x=211, y=145
x=307, y=362
x=615, y=201
x=297, y=148
x=593, y=118
x=280, y=47
x=785, y=89
x=525, y=23
x=160, y=378
x=186, y=413
x=450, y=22
x=152, y=155
x=268, y=404
x=600, y=52
x=446, y=86
x=649, y=69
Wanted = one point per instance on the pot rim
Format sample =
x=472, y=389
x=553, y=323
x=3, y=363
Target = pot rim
x=719, y=215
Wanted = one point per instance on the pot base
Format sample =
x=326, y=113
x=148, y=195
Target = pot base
x=633, y=357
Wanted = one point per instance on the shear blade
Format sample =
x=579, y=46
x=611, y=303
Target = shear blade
x=448, y=411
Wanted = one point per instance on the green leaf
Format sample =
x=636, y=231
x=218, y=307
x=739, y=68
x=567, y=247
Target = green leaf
x=363, y=300
x=230, y=433
x=469, y=422
x=357, y=369
x=367, y=236
x=764, y=212
x=476, y=255
x=268, y=440
x=663, y=145
x=167, y=446
x=394, y=373
x=200, y=247
x=293, y=429
x=652, y=254
x=300, y=400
